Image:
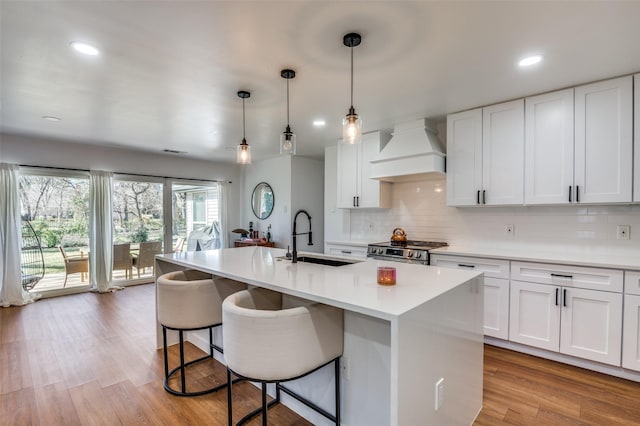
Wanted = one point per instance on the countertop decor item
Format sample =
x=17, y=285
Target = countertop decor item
x=243, y=232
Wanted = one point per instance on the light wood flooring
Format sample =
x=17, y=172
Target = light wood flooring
x=87, y=359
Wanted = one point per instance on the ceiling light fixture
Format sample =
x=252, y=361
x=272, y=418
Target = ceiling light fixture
x=243, y=151
x=85, y=48
x=319, y=123
x=50, y=118
x=288, y=138
x=351, y=123
x=530, y=60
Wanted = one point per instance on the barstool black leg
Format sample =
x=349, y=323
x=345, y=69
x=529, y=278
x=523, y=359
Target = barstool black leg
x=164, y=346
x=184, y=384
x=264, y=404
x=229, y=402
x=337, y=383
x=211, y=341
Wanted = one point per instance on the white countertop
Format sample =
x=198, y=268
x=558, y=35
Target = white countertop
x=351, y=287
x=629, y=260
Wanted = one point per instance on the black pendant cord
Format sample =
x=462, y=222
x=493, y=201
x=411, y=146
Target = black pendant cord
x=287, y=104
x=351, y=77
x=244, y=137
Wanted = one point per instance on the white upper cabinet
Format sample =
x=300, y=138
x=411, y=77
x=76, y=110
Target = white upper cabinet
x=355, y=188
x=464, y=157
x=503, y=153
x=485, y=152
x=549, y=148
x=604, y=141
x=636, y=136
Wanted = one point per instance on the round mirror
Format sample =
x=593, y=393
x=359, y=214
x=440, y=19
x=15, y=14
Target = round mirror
x=262, y=200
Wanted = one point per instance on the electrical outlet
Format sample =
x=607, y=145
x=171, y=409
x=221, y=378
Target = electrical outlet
x=346, y=368
x=623, y=232
x=510, y=230
x=439, y=394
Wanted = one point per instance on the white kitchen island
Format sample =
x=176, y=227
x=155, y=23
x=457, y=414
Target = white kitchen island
x=400, y=341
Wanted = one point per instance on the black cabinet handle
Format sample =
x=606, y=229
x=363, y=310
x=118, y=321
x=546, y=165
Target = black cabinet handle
x=358, y=201
x=564, y=298
x=577, y=194
x=570, y=190
x=557, y=292
x=484, y=197
x=354, y=201
x=462, y=265
x=562, y=276
x=478, y=197
x=346, y=251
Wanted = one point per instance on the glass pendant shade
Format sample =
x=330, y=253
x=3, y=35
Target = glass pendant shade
x=288, y=142
x=351, y=123
x=351, y=128
x=243, y=153
x=288, y=138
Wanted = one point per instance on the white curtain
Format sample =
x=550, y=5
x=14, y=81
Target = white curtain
x=222, y=213
x=100, y=232
x=11, y=291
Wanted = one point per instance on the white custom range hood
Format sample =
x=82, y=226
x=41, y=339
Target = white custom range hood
x=413, y=153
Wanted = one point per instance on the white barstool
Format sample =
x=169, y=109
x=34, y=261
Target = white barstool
x=268, y=344
x=188, y=301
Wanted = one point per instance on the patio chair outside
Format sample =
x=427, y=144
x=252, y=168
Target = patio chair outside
x=74, y=265
x=146, y=256
x=122, y=259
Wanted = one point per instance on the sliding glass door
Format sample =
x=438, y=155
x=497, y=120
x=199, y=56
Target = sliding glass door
x=56, y=206
x=138, y=227
x=196, y=216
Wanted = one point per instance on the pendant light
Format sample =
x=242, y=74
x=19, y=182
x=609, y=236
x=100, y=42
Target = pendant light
x=243, y=152
x=288, y=138
x=351, y=123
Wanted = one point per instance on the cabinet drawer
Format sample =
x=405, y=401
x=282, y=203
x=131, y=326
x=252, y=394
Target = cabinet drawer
x=568, y=276
x=346, y=250
x=495, y=268
x=632, y=282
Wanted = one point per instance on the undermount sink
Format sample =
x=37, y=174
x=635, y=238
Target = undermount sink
x=322, y=260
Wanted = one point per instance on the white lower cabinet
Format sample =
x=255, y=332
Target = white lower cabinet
x=578, y=322
x=631, y=338
x=345, y=249
x=496, y=289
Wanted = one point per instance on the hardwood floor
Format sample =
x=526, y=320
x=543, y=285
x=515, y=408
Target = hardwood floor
x=86, y=360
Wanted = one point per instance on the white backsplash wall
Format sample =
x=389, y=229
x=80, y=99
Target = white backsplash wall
x=420, y=208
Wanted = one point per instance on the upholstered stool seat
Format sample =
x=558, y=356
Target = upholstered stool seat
x=265, y=343
x=188, y=301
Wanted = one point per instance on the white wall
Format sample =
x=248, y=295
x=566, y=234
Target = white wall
x=297, y=183
x=420, y=208
x=277, y=173
x=52, y=153
x=307, y=192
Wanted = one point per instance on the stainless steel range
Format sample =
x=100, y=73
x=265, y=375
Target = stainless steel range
x=406, y=251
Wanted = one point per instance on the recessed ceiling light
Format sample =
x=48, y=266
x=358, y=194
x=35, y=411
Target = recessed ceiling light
x=85, y=48
x=50, y=118
x=530, y=60
x=319, y=123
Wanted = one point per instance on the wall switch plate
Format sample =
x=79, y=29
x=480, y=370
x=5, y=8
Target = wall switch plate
x=623, y=232
x=439, y=393
x=510, y=230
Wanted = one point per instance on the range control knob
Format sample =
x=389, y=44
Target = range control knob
x=410, y=254
x=418, y=255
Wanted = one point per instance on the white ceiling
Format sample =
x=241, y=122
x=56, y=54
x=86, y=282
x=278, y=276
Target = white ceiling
x=168, y=71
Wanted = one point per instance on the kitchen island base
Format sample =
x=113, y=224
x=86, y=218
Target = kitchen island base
x=391, y=363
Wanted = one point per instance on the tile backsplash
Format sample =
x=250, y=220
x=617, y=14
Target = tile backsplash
x=420, y=208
